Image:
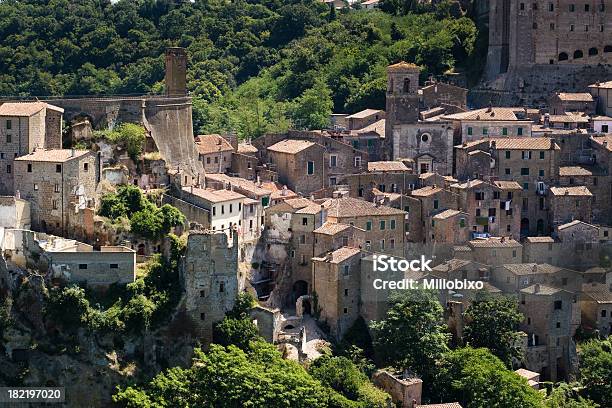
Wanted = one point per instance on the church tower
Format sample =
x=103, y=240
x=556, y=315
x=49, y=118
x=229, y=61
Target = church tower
x=402, y=102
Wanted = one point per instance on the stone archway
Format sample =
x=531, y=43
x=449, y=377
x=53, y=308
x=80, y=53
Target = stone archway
x=303, y=305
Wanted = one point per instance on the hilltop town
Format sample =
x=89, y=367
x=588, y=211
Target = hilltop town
x=127, y=240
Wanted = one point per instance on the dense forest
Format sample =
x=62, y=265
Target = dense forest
x=254, y=66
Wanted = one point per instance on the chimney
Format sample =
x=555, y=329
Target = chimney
x=605, y=144
x=284, y=191
x=535, y=269
x=536, y=289
x=17, y=194
x=547, y=120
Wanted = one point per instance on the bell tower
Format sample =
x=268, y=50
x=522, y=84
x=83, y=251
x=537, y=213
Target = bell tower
x=402, y=102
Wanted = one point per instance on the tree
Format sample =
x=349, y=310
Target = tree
x=478, y=379
x=596, y=370
x=314, y=107
x=68, y=307
x=564, y=396
x=138, y=312
x=237, y=332
x=228, y=377
x=413, y=334
x=492, y=322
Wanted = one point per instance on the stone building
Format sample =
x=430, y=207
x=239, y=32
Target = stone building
x=490, y=122
x=300, y=164
x=336, y=281
x=57, y=183
x=540, y=34
x=426, y=202
x=331, y=236
x=532, y=162
x=364, y=118
x=569, y=203
x=383, y=226
x=405, y=390
x=14, y=212
x=596, y=308
x=512, y=278
x=176, y=72
x=25, y=126
x=438, y=93
x=602, y=92
x=450, y=227
x=214, y=152
x=224, y=207
x=210, y=280
x=561, y=102
x=245, y=161
x=493, y=208
x=549, y=324
x=491, y=251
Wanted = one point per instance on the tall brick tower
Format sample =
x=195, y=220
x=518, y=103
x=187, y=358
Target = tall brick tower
x=176, y=71
x=402, y=101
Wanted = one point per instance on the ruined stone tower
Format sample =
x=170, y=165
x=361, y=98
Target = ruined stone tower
x=210, y=278
x=402, y=101
x=176, y=72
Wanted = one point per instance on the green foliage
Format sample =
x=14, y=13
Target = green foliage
x=68, y=307
x=242, y=306
x=596, y=370
x=144, y=217
x=130, y=136
x=492, y=322
x=478, y=379
x=564, y=396
x=227, y=377
x=237, y=332
x=313, y=108
x=6, y=320
x=413, y=334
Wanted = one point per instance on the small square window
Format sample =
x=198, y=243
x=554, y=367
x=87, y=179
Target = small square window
x=58, y=168
x=82, y=266
x=29, y=167
x=114, y=266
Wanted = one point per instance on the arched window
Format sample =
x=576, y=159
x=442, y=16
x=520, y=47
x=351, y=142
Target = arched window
x=578, y=54
x=593, y=51
x=608, y=48
x=563, y=56
x=406, y=84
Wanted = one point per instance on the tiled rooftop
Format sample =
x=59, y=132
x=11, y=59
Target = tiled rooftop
x=531, y=268
x=494, y=242
x=290, y=146
x=207, y=144
x=25, y=109
x=53, y=155
x=570, y=191
x=353, y=207
x=213, y=196
x=387, y=166
x=426, y=191
x=575, y=96
x=574, y=171
x=331, y=228
x=339, y=255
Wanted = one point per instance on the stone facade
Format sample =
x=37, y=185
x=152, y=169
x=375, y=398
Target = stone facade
x=14, y=213
x=210, y=279
x=56, y=183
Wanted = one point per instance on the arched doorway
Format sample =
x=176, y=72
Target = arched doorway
x=593, y=51
x=578, y=54
x=540, y=227
x=563, y=56
x=608, y=48
x=300, y=288
x=524, y=226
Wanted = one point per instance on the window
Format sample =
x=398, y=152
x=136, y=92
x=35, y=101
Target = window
x=507, y=171
x=346, y=269
x=406, y=84
x=571, y=27
x=485, y=131
x=526, y=186
x=586, y=7
x=572, y=7
x=216, y=160
x=8, y=168
x=462, y=222
x=519, y=131
x=369, y=226
x=222, y=209
x=357, y=161
x=333, y=181
x=552, y=27
x=508, y=228
x=541, y=173
x=507, y=154
x=345, y=310
x=333, y=160
x=82, y=266
x=541, y=155
x=392, y=243
x=302, y=239
x=551, y=7
x=54, y=203
x=29, y=167
x=202, y=316
x=496, y=195
x=310, y=168
x=231, y=208
x=392, y=224
x=114, y=266
x=558, y=305
x=505, y=130
x=534, y=6
x=304, y=221
x=85, y=167
x=479, y=195
x=526, y=155
x=9, y=124
x=522, y=6
x=424, y=137
x=469, y=131
x=525, y=171
x=345, y=292
x=9, y=139
x=382, y=244
x=214, y=210
x=208, y=160
x=603, y=313
x=382, y=225
x=35, y=187
x=58, y=168
x=558, y=325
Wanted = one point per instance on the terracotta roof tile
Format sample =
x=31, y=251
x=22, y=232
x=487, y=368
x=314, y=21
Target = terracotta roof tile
x=494, y=242
x=575, y=96
x=364, y=113
x=488, y=114
x=574, y=171
x=573, y=223
x=25, y=108
x=339, y=255
x=446, y=214
x=331, y=228
x=214, y=196
x=387, y=166
x=53, y=155
x=208, y=144
x=539, y=289
x=246, y=148
x=403, y=65
x=602, y=85
x=290, y=146
x=570, y=191
x=516, y=143
x=445, y=405
x=426, y=191
x=508, y=185
x=353, y=207
x=531, y=268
